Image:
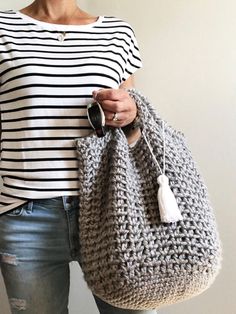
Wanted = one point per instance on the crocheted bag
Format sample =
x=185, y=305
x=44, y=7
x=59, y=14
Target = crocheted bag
x=130, y=257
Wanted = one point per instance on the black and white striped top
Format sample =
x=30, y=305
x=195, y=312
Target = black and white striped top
x=48, y=73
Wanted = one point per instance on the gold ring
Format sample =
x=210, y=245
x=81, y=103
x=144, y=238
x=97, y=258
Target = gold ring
x=115, y=117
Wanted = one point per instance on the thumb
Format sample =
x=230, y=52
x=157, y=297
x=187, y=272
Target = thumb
x=95, y=94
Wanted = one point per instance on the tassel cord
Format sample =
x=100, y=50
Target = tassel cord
x=168, y=207
x=162, y=171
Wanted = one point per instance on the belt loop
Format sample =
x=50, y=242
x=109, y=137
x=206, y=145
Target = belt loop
x=64, y=201
x=69, y=200
x=30, y=205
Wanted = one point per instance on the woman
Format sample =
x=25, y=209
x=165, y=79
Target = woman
x=55, y=59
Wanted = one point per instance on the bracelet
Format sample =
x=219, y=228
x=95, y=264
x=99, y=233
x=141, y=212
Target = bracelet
x=96, y=118
x=135, y=124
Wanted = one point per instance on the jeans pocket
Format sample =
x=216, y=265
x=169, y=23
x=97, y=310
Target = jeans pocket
x=16, y=211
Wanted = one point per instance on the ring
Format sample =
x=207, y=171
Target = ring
x=115, y=117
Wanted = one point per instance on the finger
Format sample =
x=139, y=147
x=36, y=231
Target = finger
x=116, y=124
x=109, y=94
x=113, y=106
x=121, y=119
x=114, y=116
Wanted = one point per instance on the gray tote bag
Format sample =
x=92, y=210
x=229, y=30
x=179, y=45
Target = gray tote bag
x=131, y=256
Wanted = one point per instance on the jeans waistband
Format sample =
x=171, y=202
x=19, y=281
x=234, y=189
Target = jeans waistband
x=65, y=200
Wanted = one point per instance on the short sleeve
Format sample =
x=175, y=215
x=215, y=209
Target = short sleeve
x=133, y=59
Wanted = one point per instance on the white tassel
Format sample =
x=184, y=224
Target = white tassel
x=168, y=207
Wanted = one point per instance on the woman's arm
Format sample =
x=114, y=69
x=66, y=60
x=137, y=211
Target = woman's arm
x=118, y=102
x=129, y=83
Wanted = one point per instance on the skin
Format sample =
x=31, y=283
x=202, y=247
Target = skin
x=112, y=100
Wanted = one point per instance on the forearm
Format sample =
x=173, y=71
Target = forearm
x=133, y=135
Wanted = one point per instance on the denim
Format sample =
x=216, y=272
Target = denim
x=38, y=240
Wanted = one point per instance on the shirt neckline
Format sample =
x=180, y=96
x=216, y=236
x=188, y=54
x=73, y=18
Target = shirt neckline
x=53, y=26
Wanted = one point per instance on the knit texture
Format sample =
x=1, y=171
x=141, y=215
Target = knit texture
x=129, y=257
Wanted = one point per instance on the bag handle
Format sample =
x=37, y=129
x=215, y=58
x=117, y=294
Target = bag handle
x=168, y=207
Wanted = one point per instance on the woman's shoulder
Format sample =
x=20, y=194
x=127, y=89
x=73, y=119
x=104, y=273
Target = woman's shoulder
x=114, y=21
x=7, y=14
x=117, y=23
x=8, y=17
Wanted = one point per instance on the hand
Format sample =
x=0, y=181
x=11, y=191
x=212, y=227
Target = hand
x=116, y=103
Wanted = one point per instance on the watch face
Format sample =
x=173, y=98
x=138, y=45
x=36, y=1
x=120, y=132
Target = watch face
x=96, y=118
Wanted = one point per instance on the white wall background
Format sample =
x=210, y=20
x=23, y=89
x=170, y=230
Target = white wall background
x=189, y=54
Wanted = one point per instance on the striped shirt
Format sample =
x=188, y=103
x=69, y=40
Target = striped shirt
x=48, y=74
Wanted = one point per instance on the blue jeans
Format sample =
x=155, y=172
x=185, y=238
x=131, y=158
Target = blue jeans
x=37, y=242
